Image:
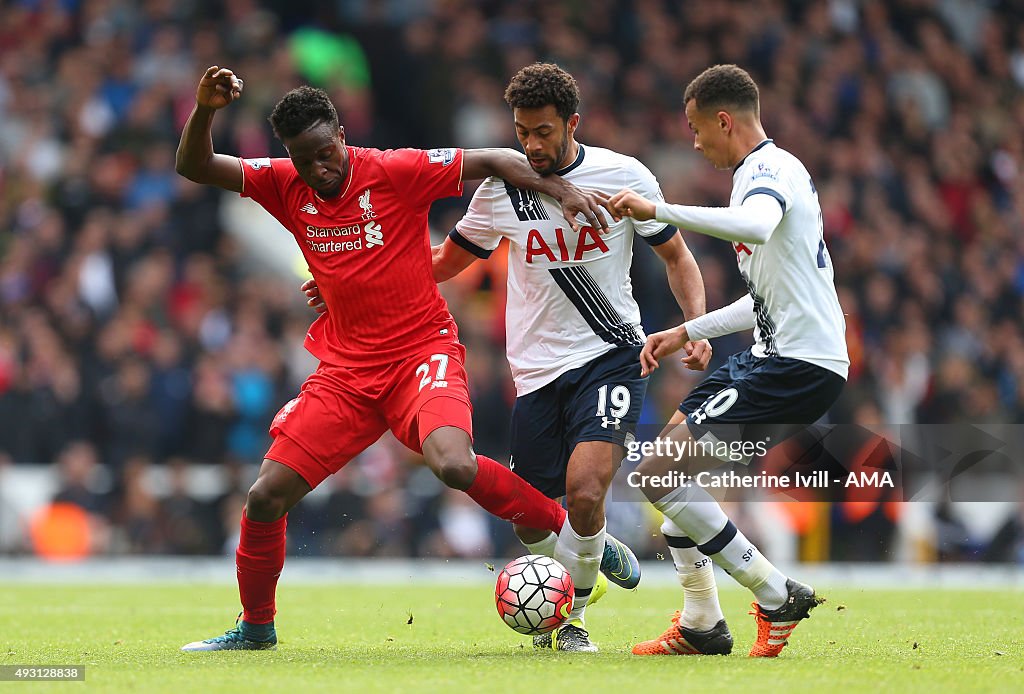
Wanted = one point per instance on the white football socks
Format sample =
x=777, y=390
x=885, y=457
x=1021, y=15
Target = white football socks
x=699, y=516
x=696, y=573
x=582, y=557
x=545, y=547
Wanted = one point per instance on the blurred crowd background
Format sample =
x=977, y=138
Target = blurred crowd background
x=143, y=351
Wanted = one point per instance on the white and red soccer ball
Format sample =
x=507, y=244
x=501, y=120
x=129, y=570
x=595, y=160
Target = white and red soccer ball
x=534, y=594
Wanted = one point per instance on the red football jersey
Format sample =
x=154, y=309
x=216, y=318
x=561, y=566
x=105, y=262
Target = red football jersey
x=368, y=249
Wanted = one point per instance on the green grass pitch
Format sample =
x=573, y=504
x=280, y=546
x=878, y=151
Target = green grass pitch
x=359, y=638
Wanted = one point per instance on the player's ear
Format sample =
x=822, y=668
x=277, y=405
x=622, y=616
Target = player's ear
x=724, y=121
x=341, y=133
x=573, y=123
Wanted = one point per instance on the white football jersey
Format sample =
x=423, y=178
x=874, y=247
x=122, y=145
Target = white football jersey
x=790, y=277
x=570, y=298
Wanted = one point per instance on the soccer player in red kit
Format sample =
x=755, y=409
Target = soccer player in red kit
x=388, y=347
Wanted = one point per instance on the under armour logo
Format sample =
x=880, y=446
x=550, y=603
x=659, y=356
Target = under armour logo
x=525, y=204
x=309, y=209
x=609, y=422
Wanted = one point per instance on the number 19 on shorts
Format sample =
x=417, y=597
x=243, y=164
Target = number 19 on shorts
x=618, y=399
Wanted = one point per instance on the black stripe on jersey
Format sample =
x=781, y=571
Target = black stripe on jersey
x=582, y=297
x=526, y=203
x=464, y=243
x=569, y=287
x=626, y=330
x=539, y=204
x=661, y=237
x=767, y=191
x=765, y=324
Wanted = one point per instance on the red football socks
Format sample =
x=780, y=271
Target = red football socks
x=508, y=496
x=259, y=560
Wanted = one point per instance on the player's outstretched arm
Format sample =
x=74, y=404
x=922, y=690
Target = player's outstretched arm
x=688, y=288
x=751, y=222
x=449, y=259
x=513, y=167
x=196, y=159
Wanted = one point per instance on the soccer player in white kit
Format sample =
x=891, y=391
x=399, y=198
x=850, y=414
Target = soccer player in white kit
x=789, y=378
x=573, y=327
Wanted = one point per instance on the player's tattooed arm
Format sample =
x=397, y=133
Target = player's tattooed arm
x=195, y=159
x=513, y=167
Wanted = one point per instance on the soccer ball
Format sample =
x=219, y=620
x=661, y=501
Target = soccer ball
x=534, y=594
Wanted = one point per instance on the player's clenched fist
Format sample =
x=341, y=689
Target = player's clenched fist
x=661, y=344
x=218, y=88
x=627, y=203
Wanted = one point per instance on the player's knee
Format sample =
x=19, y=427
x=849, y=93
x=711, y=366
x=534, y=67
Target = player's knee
x=265, y=504
x=586, y=510
x=454, y=469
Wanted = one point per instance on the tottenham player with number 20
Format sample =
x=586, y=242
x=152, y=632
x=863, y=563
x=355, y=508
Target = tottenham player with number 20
x=791, y=376
x=388, y=348
x=573, y=327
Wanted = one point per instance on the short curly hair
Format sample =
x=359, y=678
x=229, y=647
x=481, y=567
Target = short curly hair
x=301, y=109
x=723, y=86
x=544, y=84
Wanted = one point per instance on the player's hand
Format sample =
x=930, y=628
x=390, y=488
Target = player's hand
x=698, y=354
x=592, y=204
x=218, y=88
x=659, y=345
x=313, y=298
x=627, y=203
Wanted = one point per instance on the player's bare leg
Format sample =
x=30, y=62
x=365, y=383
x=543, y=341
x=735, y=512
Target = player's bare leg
x=448, y=452
x=276, y=490
x=260, y=558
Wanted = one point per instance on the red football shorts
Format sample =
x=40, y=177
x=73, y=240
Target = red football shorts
x=340, y=411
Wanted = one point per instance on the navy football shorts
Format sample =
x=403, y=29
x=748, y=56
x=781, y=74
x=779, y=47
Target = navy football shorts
x=762, y=401
x=599, y=401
